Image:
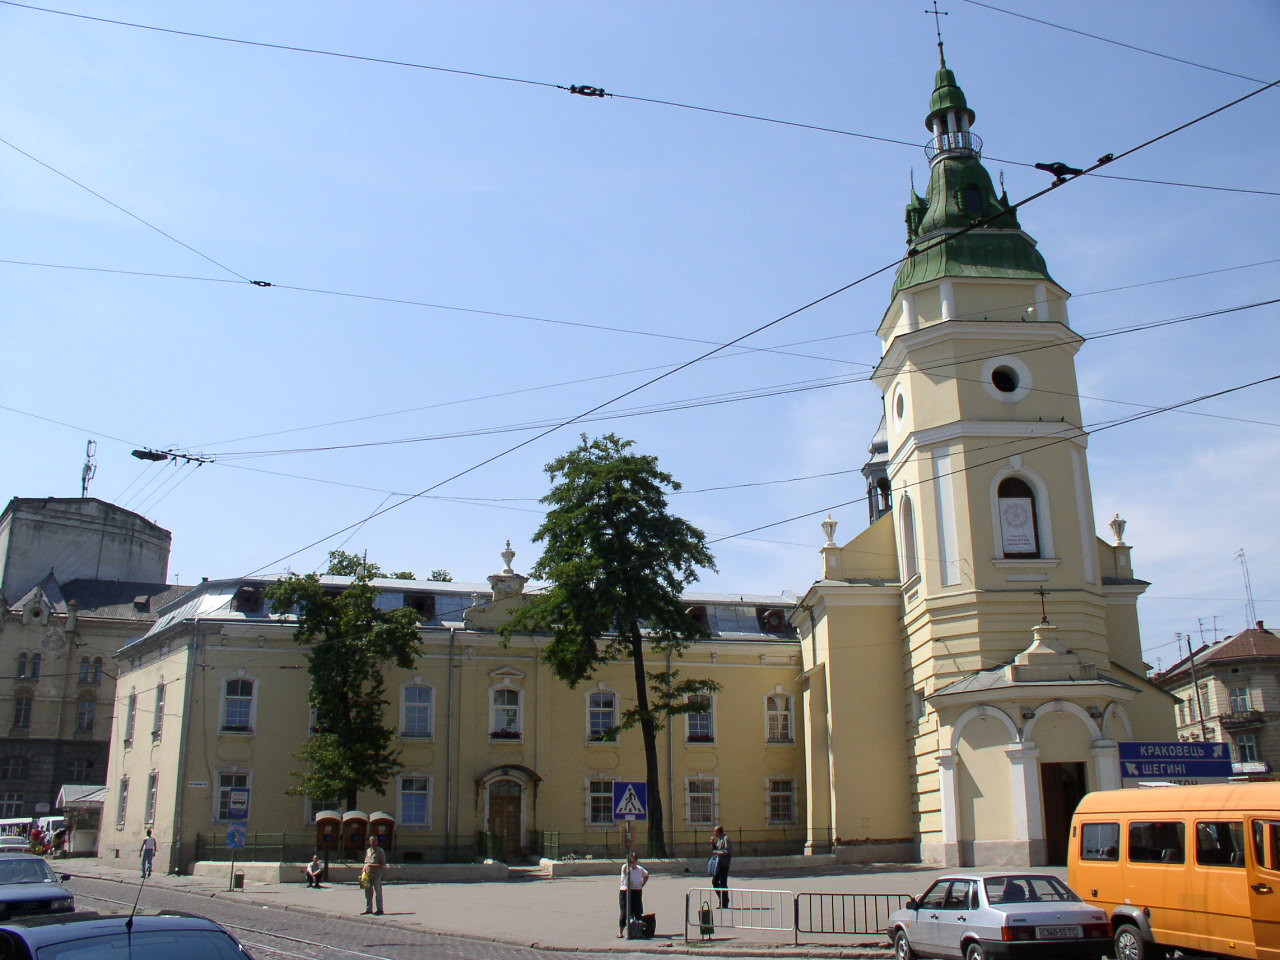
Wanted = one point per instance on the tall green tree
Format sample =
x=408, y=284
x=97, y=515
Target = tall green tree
x=350, y=643
x=618, y=563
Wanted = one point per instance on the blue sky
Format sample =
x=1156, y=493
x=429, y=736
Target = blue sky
x=587, y=244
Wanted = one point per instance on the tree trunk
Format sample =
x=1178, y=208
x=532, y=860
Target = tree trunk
x=649, y=733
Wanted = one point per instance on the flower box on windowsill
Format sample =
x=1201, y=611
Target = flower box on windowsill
x=505, y=735
x=700, y=738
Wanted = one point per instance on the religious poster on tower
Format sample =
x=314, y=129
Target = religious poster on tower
x=1017, y=526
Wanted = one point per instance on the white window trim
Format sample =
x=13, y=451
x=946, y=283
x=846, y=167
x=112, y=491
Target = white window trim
x=240, y=674
x=1025, y=380
x=601, y=687
x=688, y=722
x=715, y=802
x=430, y=735
x=130, y=716
x=779, y=691
x=586, y=802
x=1044, y=521
x=157, y=710
x=768, y=802
x=909, y=538
x=431, y=798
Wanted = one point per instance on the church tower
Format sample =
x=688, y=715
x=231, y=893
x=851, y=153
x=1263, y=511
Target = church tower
x=1012, y=663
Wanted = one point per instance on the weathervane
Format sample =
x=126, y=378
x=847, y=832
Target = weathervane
x=937, y=26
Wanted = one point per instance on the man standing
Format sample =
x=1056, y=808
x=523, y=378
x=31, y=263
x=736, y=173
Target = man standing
x=630, y=898
x=148, y=854
x=375, y=862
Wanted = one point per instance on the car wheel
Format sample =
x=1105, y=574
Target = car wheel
x=902, y=947
x=974, y=951
x=1131, y=946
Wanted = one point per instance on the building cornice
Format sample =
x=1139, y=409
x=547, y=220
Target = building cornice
x=1033, y=331
x=1001, y=429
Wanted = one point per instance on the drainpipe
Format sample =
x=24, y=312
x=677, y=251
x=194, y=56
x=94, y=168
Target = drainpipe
x=448, y=752
x=669, y=813
x=175, y=848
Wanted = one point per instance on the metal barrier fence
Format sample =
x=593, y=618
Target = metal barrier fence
x=749, y=909
x=848, y=913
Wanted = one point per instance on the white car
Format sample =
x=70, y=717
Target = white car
x=15, y=843
x=999, y=916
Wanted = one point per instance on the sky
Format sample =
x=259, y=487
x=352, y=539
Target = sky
x=462, y=254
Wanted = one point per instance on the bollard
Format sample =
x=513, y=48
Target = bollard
x=237, y=880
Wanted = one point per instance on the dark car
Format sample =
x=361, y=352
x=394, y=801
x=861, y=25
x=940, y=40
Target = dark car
x=164, y=935
x=1002, y=916
x=28, y=885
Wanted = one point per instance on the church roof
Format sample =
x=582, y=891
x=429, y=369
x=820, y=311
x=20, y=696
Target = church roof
x=960, y=192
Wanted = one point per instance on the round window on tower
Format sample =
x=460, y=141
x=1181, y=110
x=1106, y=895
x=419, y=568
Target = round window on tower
x=1004, y=379
x=899, y=404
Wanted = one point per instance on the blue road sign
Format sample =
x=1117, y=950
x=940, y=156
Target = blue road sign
x=1192, y=762
x=630, y=800
x=237, y=836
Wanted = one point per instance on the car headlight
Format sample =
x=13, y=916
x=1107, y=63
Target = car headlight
x=64, y=905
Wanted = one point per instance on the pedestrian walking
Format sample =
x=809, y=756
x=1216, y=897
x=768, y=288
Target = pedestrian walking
x=148, y=852
x=718, y=865
x=630, y=897
x=375, y=864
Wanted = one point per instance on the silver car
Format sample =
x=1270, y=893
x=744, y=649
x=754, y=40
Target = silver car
x=999, y=915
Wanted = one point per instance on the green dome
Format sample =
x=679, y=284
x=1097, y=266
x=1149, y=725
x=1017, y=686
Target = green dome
x=947, y=95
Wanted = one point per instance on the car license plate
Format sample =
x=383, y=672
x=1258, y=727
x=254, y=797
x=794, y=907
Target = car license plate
x=1059, y=933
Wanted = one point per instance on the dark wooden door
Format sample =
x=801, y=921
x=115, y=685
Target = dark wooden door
x=504, y=816
x=1062, y=786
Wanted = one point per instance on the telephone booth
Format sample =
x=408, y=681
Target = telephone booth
x=383, y=826
x=355, y=832
x=328, y=830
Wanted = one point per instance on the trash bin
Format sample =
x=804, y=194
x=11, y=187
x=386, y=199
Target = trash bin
x=237, y=880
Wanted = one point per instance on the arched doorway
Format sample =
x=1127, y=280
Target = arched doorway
x=505, y=807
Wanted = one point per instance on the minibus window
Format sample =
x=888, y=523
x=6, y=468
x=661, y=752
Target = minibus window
x=1157, y=842
x=1100, y=841
x=1266, y=844
x=1220, y=843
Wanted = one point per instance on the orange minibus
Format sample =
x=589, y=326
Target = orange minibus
x=1195, y=868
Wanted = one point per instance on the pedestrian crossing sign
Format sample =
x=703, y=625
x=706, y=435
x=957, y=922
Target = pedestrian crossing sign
x=630, y=800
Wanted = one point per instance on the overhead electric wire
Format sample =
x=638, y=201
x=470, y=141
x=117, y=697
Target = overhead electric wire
x=923, y=248
x=1118, y=43
x=600, y=92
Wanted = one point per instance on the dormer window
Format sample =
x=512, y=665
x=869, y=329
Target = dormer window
x=247, y=600
x=699, y=616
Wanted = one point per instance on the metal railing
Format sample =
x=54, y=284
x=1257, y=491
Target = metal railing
x=748, y=908
x=853, y=914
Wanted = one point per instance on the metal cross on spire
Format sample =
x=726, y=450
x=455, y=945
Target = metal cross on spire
x=937, y=26
x=1044, y=613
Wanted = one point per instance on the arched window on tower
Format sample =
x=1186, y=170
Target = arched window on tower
x=883, y=496
x=1019, y=524
x=910, y=564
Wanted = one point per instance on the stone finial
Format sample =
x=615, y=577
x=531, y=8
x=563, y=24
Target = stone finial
x=507, y=556
x=1117, y=529
x=829, y=530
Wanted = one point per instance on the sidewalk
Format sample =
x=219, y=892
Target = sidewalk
x=571, y=914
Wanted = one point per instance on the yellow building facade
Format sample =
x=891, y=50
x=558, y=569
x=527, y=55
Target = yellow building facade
x=497, y=756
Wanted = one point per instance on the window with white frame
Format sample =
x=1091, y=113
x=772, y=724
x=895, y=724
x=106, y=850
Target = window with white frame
x=86, y=711
x=153, y=788
x=777, y=708
x=35, y=665
x=97, y=670
x=81, y=771
x=86, y=670
x=14, y=768
x=130, y=717
x=1247, y=748
x=701, y=801
x=700, y=726
x=416, y=710
x=237, y=705
x=910, y=564
x=415, y=801
x=1019, y=519
x=22, y=666
x=122, y=802
x=22, y=711
x=1240, y=699
x=506, y=714
x=10, y=805
x=157, y=720
x=782, y=801
x=600, y=803
x=602, y=715
x=226, y=783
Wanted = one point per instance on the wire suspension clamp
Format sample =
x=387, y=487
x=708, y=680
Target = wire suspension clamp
x=585, y=91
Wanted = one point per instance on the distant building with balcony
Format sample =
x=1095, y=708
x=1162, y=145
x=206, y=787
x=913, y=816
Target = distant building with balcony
x=1229, y=692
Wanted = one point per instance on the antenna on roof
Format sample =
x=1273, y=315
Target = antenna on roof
x=937, y=26
x=1250, y=613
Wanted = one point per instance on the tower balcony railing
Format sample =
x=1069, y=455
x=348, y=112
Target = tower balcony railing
x=961, y=141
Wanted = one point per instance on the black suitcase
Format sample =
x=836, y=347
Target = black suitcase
x=642, y=928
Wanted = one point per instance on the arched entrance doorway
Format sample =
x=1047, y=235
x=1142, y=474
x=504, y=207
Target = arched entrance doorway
x=506, y=796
